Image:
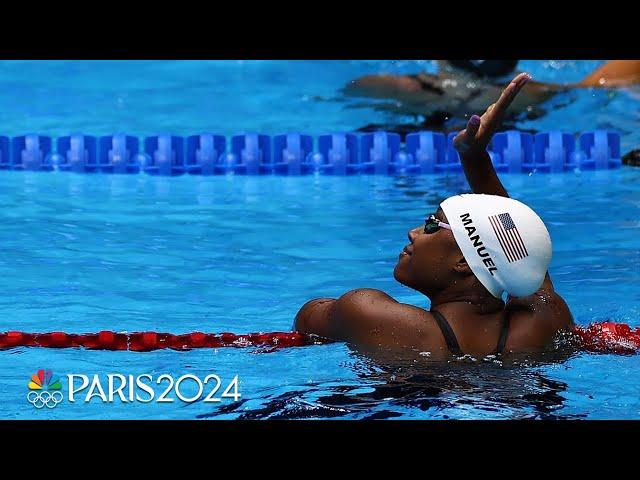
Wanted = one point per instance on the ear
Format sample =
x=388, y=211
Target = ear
x=462, y=267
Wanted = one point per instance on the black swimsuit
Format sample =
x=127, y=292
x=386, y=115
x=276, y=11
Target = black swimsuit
x=427, y=86
x=452, y=341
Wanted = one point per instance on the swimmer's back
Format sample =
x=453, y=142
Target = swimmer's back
x=370, y=318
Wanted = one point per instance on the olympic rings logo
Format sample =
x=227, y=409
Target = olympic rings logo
x=44, y=399
x=44, y=389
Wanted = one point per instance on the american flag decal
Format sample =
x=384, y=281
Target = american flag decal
x=509, y=237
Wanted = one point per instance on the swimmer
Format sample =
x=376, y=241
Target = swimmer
x=464, y=85
x=469, y=252
x=632, y=158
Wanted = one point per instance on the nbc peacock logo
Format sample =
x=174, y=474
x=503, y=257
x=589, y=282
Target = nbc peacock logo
x=44, y=390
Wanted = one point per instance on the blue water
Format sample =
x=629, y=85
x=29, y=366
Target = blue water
x=90, y=252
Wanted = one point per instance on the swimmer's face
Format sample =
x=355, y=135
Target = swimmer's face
x=431, y=261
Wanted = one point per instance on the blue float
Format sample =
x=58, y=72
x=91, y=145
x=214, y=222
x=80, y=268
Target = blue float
x=5, y=159
x=379, y=153
x=512, y=152
x=339, y=154
x=118, y=154
x=164, y=155
x=292, y=154
x=554, y=152
x=31, y=152
x=76, y=153
x=600, y=150
x=204, y=152
x=250, y=155
x=452, y=158
x=425, y=150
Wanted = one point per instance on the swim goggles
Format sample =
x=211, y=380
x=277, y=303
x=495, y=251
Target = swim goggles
x=432, y=224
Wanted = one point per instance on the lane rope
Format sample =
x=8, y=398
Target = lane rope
x=148, y=341
x=603, y=337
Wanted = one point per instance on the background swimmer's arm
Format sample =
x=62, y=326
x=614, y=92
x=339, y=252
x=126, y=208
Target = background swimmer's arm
x=614, y=73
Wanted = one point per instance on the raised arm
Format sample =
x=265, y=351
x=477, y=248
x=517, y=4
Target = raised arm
x=472, y=142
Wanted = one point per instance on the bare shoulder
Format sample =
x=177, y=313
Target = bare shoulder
x=313, y=317
x=537, y=318
x=370, y=318
x=367, y=316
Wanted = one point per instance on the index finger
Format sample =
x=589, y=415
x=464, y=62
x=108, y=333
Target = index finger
x=494, y=115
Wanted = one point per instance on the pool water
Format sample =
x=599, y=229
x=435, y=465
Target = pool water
x=83, y=253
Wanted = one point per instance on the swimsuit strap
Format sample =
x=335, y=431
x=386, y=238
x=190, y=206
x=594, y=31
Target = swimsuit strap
x=503, y=335
x=449, y=337
x=452, y=342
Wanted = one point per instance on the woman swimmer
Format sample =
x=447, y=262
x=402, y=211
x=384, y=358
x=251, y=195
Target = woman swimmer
x=464, y=85
x=468, y=253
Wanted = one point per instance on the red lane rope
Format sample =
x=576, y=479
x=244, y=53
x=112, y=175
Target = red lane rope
x=605, y=337
x=609, y=337
x=147, y=341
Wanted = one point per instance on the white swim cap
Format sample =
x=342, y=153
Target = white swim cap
x=504, y=242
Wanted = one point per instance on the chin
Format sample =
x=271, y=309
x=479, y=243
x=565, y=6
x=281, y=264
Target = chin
x=400, y=274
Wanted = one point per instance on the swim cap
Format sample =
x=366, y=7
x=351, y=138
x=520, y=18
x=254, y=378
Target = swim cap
x=504, y=242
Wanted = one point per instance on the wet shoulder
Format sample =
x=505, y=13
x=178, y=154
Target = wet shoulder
x=535, y=327
x=373, y=317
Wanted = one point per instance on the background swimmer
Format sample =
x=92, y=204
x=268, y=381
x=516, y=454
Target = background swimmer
x=462, y=86
x=467, y=316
